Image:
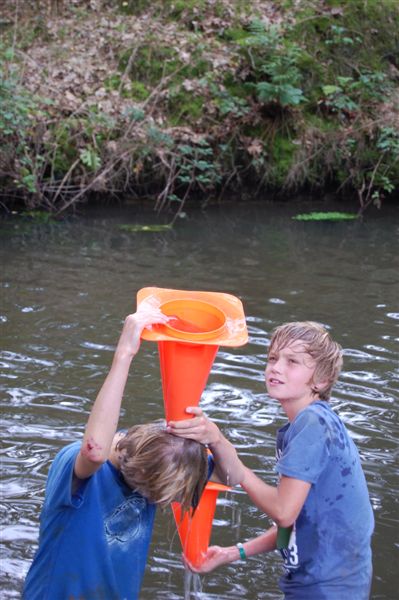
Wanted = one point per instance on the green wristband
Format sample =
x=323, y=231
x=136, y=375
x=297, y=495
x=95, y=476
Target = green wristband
x=241, y=550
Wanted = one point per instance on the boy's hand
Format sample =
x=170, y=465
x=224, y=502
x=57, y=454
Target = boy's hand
x=199, y=428
x=228, y=467
x=145, y=316
x=215, y=557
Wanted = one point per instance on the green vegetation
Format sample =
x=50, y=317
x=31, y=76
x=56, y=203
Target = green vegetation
x=175, y=100
x=325, y=216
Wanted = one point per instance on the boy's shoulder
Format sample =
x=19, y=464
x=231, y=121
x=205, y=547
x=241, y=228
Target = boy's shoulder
x=319, y=410
x=318, y=415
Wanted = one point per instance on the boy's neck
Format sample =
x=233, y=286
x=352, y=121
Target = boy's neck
x=293, y=407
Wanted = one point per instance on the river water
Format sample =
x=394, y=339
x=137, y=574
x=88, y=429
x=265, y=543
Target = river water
x=66, y=288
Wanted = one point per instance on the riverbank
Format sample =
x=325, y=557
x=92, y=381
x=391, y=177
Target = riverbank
x=174, y=100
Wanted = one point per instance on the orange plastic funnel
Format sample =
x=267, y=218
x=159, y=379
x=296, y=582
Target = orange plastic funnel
x=195, y=531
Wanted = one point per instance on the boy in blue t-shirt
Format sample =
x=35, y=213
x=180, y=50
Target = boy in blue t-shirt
x=101, y=493
x=320, y=507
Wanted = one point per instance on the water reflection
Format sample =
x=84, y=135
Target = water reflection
x=66, y=288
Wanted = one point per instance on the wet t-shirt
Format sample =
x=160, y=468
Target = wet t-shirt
x=93, y=544
x=328, y=555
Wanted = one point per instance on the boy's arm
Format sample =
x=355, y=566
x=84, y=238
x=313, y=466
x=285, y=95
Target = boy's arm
x=282, y=503
x=103, y=420
x=223, y=555
x=228, y=467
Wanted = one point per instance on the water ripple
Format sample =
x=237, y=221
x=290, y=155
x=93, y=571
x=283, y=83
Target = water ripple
x=66, y=290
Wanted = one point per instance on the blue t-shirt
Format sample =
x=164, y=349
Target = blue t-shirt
x=328, y=555
x=93, y=544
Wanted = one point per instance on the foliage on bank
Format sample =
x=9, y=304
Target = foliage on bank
x=173, y=100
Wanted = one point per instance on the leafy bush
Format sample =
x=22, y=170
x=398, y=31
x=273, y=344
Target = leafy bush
x=273, y=65
x=20, y=115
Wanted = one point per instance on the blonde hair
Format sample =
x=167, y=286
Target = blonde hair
x=162, y=467
x=319, y=345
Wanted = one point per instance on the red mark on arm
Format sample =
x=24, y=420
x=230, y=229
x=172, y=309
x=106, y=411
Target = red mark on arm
x=92, y=450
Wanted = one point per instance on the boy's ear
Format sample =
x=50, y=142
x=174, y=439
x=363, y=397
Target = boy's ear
x=319, y=386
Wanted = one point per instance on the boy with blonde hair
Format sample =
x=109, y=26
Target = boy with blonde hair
x=102, y=492
x=320, y=507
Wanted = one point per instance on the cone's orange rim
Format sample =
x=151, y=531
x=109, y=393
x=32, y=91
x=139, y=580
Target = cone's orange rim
x=217, y=487
x=233, y=333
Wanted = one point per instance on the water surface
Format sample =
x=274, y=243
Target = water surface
x=65, y=290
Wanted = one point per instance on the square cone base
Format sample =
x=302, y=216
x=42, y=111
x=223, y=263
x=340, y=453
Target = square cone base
x=199, y=323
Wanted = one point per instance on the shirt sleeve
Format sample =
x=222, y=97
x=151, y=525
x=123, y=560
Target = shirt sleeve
x=306, y=450
x=59, y=481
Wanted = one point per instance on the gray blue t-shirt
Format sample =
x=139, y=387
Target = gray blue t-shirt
x=328, y=555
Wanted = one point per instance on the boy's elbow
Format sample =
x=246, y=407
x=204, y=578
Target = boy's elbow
x=284, y=521
x=285, y=516
x=93, y=452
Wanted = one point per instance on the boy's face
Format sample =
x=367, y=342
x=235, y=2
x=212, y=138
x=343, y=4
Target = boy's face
x=289, y=374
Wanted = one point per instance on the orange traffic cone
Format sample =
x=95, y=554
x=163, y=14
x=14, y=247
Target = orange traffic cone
x=199, y=323
x=195, y=531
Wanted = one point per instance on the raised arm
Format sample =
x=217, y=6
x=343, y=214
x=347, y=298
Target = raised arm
x=104, y=416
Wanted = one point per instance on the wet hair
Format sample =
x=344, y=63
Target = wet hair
x=162, y=467
x=326, y=353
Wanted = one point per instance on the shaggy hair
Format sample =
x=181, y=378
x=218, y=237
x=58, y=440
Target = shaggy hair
x=162, y=467
x=324, y=351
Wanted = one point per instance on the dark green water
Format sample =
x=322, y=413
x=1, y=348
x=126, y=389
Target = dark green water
x=65, y=290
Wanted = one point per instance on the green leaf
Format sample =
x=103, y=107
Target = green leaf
x=344, y=80
x=90, y=158
x=9, y=54
x=29, y=181
x=185, y=149
x=290, y=95
x=173, y=198
x=329, y=90
x=137, y=114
